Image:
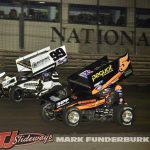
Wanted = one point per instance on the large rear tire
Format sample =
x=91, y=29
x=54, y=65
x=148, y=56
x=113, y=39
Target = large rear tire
x=1, y=91
x=124, y=115
x=16, y=94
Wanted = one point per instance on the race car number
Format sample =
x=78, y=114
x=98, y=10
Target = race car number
x=59, y=53
x=63, y=102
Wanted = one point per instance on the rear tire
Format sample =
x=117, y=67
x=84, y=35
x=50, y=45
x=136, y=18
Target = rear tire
x=124, y=115
x=16, y=94
x=1, y=91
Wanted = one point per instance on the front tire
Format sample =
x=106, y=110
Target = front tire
x=71, y=117
x=124, y=115
x=47, y=112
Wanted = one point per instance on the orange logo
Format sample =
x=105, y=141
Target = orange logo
x=124, y=63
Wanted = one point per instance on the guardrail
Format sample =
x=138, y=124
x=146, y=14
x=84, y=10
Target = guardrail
x=141, y=65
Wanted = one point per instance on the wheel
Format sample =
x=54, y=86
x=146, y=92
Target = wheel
x=71, y=117
x=1, y=91
x=47, y=112
x=16, y=94
x=124, y=115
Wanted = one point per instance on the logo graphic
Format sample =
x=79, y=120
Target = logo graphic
x=11, y=139
x=85, y=73
x=124, y=63
x=102, y=73
x=63, y=102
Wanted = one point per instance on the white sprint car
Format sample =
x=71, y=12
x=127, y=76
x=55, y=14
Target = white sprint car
x=38, y=75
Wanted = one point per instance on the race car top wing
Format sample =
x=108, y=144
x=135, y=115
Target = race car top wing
x=80, y=78
x=23, y=63
x=42, y=60
x=110, y=73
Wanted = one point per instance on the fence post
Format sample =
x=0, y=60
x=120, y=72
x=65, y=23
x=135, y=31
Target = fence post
x=21, y=27
x=135, y=34
x=97, y=25
x=61, y=21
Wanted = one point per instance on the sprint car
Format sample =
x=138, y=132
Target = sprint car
x=95, y=95
x=38, y=75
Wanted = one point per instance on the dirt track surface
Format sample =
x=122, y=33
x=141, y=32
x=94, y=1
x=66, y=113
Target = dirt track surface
x=25, y=117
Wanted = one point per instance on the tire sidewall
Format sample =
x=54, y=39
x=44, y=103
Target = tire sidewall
x=66, y=114
x=119, y=112
x=12, y=94
x=43, y=115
